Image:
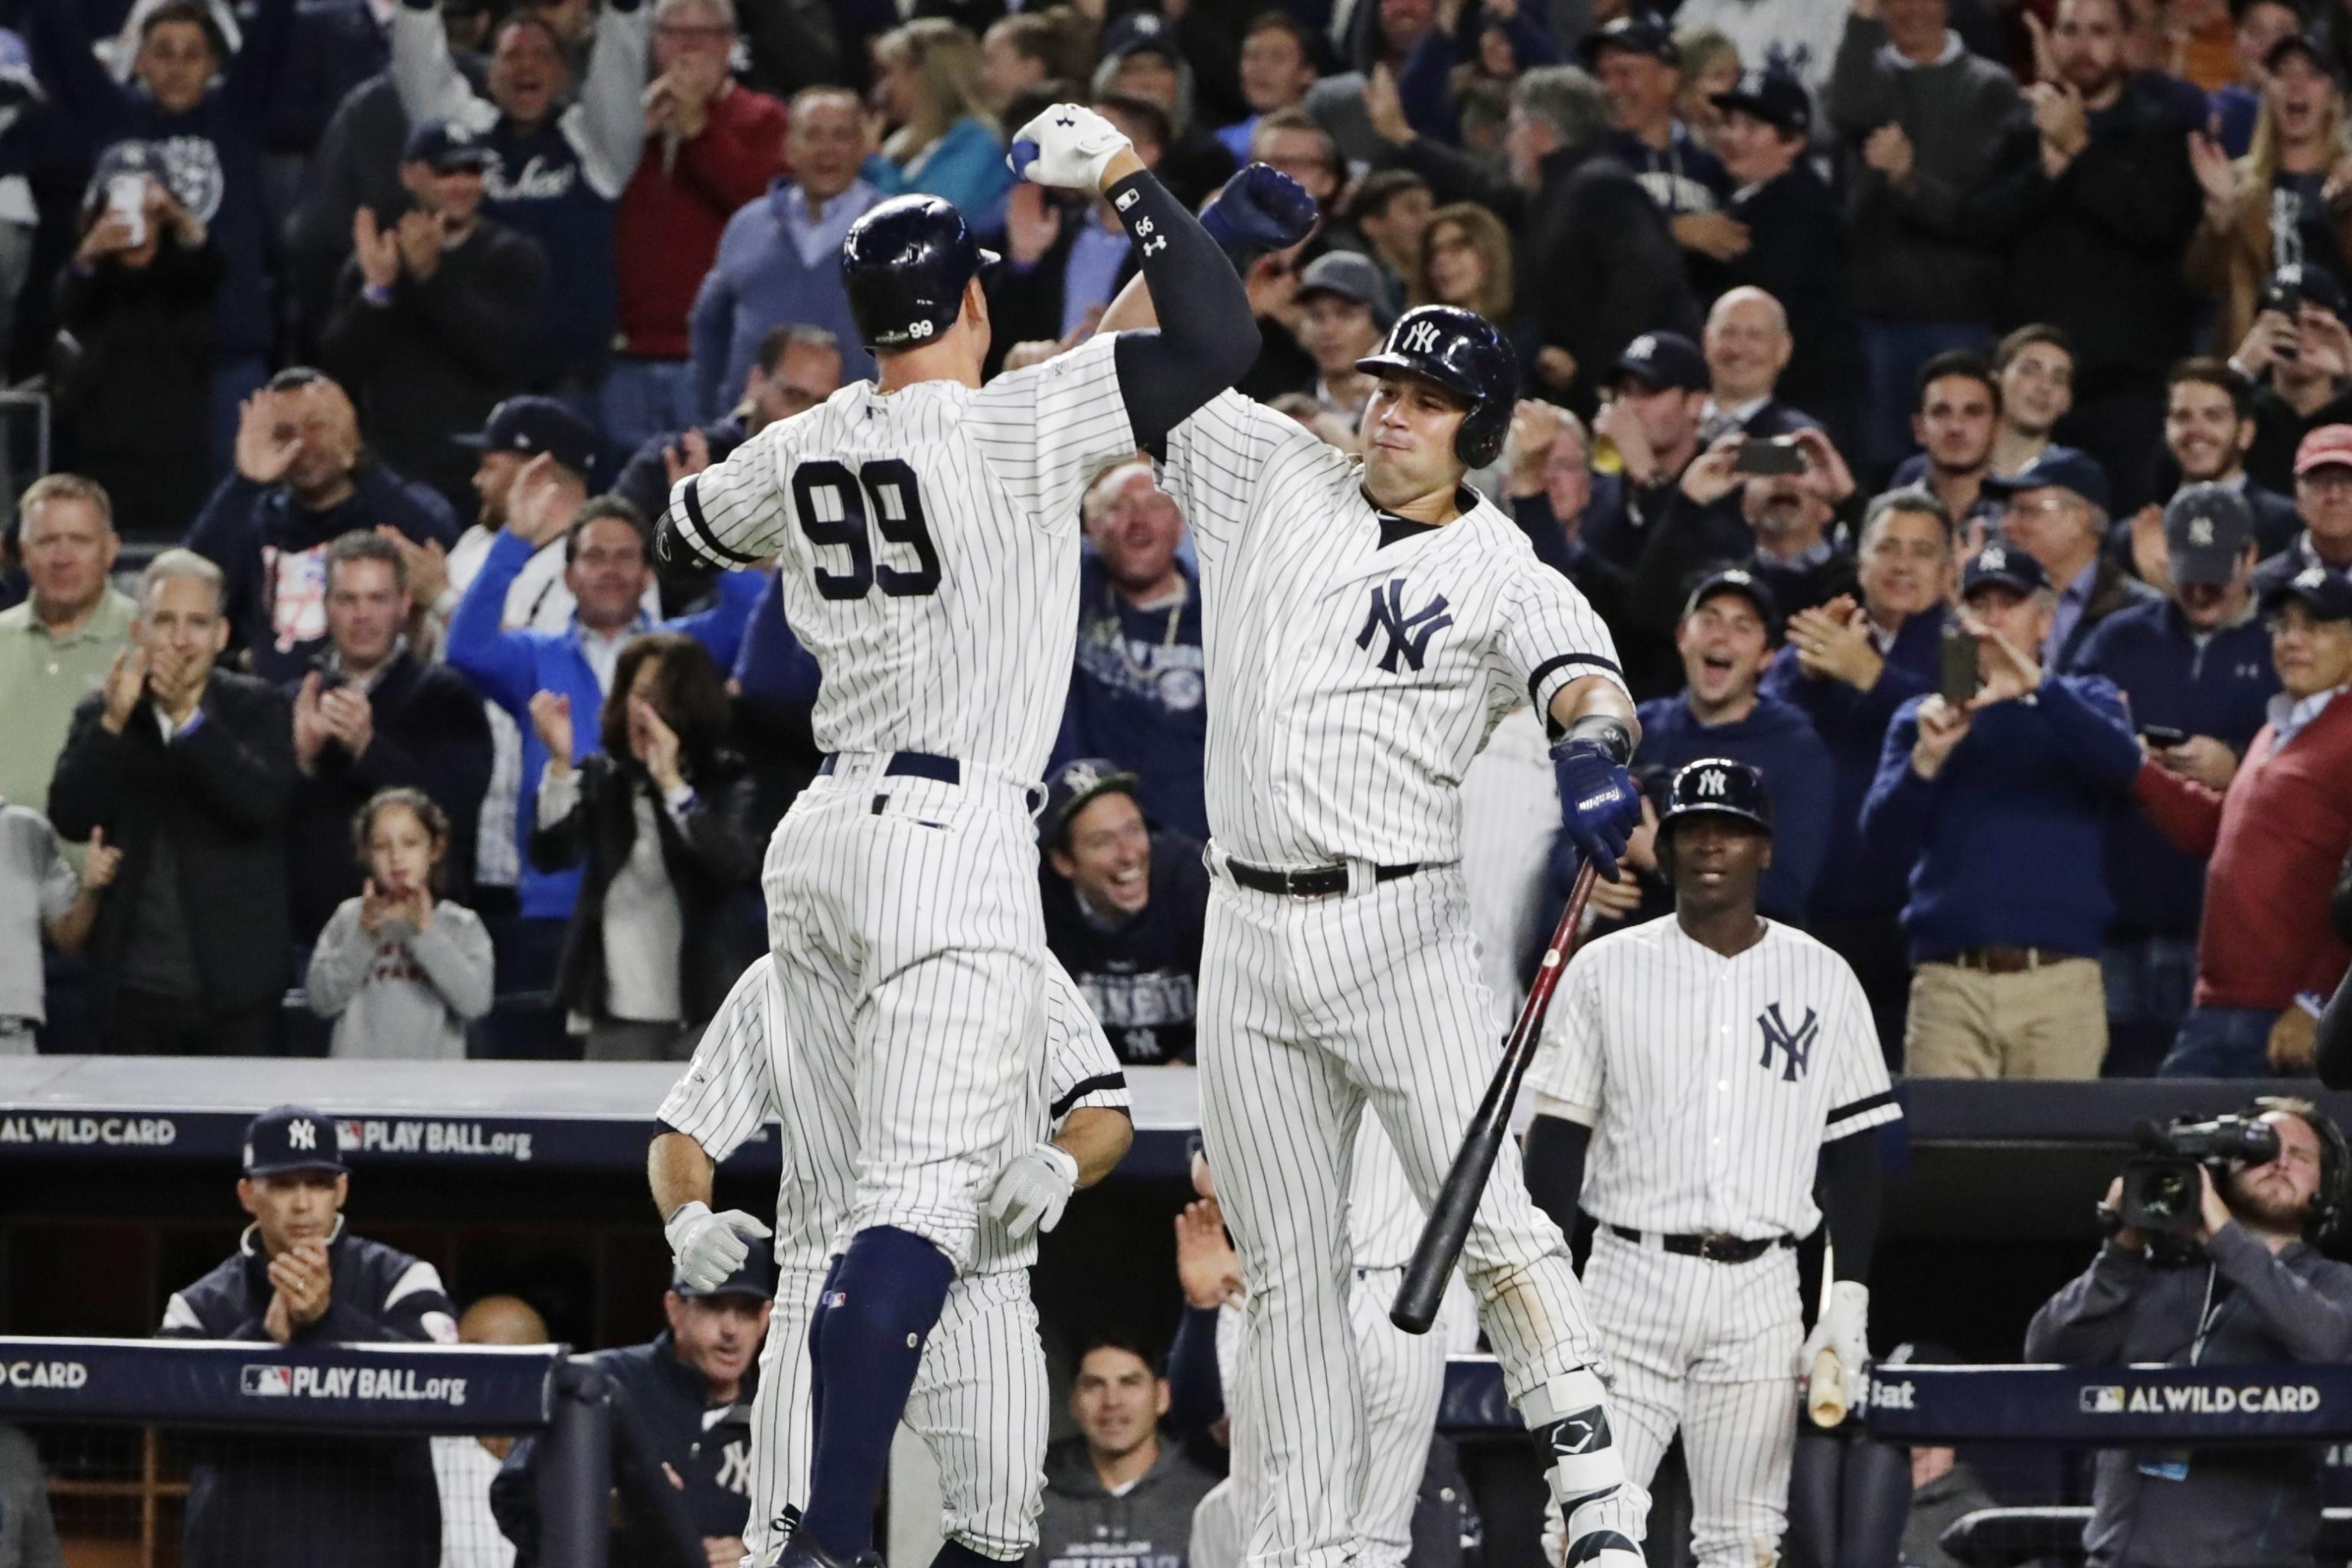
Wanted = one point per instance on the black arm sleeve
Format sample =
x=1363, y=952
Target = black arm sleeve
x=1208, y=334
x=1196, y=1394
x=2335, y=1046
x=1555, y=1162
x=1852, y=1191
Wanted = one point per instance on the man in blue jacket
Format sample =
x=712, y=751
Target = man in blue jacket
x=1999, y=803
x=299, y=1278
x=607, y=568
x=2195, y=669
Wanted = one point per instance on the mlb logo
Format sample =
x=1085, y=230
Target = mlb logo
x=2101, y=1401
x=349, y=1135
x=269, y=1381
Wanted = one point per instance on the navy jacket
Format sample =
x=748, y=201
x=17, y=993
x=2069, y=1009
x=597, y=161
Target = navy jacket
x=2218, y=685
x=661, y=1416
x=1853, y=725
x=1139, y=696
x=274, y=552
x=1142, y=978
x=1997, y=839
x=1779, y=742
x=265, y=1501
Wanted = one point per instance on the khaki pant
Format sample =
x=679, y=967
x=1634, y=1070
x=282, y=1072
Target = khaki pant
x=2050, y=1022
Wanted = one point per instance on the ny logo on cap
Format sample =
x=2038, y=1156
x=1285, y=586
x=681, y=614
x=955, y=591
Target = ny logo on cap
x=1713, y=783
x=1081, y=777
x=2311, y=577
x=1421, y=338
x=302, y=1133
x=1643, y=347
x=1993, y=558
x=2201, y=530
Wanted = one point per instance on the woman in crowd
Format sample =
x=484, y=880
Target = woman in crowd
x=1710, y=65
x=401, y=973
x=134, y=359
x=942, y=141
x=657, y=817
x=1466, y=260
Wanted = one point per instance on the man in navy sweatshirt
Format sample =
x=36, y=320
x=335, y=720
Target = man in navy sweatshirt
x=2195, y=669
x=1999, y=803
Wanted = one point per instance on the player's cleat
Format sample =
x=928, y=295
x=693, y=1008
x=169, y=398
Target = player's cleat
x=799, y=1550
x=1602, y=1549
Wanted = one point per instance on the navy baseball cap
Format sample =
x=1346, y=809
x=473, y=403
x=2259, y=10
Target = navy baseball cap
x=2002, y=565
x=2206, y=530
x=1350, y=275
x=1773, y=97
x=756, y=1277
x=2302, y=279
x=2060, y=467
x=2326, y=594
x=1667, y=361
x=446, y=145
x=1141, y=32
x=528, y=426
x=1747, y=585
x=1076, y=784
x=1641, y=33
x=291, y=1138
x=2307, y=45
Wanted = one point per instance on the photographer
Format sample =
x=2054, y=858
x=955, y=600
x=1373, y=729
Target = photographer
x=2252, y=1290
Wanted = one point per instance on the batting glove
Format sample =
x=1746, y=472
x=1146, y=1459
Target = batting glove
x=1599, y=805
x=1260, y=209
x=1844, y=1328
x=1068, y=146
x=1031, y=1192
x=708, y=1247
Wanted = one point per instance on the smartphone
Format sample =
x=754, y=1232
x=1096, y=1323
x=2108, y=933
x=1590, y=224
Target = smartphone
x=1961, y=681
x=1774, y=456
x=2164, y=737
x=126, y=197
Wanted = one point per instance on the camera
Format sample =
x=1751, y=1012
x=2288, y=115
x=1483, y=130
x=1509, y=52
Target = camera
x=2162, y=1194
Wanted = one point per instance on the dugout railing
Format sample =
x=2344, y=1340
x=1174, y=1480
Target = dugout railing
x=165, y=1452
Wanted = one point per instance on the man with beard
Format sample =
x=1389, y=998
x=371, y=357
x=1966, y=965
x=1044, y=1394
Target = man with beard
x=1138, y=695
x=2208, y=424
x=1959, y=409
x=1787, y=516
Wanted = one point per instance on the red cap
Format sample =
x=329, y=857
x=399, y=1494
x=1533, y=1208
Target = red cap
x=2330, y=444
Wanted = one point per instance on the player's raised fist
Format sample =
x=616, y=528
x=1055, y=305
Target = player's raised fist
x=1261, y=208
x=1068, y=146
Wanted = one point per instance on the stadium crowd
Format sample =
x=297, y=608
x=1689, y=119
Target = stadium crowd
x=1948, y=402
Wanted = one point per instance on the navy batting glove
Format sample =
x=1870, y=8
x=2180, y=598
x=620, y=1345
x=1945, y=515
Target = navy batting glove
x=1599, y=805
x=1260, y=209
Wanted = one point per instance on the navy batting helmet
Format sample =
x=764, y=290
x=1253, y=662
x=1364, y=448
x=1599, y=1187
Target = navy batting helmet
x=905, y=265
x=1720, y=785
x=1461, y=352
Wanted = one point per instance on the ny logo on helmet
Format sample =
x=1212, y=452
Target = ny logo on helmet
x=1712, y=782
x=1420, y=339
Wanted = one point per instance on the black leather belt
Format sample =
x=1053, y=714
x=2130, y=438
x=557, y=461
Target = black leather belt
x=912, y=766
x=1320, y=883
x=1714, y=1249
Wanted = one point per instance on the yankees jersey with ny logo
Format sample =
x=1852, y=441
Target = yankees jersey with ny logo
x=1711, y=1082
x=1352, y=682
x=926, y=542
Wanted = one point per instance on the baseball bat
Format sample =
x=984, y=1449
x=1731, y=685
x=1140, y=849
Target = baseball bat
x=1825, y=1390
x=1442, y=1234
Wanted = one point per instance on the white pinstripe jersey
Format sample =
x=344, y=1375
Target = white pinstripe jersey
x=1715, y=1080
x=1384, y=1218
x=928, y=544
x=1351, y=684
x=744, y=1070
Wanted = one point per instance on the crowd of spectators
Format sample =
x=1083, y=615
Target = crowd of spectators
x=1947, y=402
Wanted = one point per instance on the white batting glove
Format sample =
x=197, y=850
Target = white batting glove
x=1068, y=146
x=1843, y=1327
x=708, y=1247
x=1031, y=1192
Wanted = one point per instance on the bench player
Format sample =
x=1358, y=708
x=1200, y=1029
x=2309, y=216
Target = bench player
x=926, y=535
x=1712, y=1060
x=1369, y=622
x=980, y=1396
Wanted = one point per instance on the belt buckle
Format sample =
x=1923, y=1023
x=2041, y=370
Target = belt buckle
x=1717, y=1248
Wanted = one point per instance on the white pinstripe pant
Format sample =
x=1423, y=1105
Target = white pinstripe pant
x=1710, y=1349
x=980, y=1404
x=1312, y=1010
x=910, y=950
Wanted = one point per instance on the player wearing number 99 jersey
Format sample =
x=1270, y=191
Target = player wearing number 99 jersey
x=926, y=536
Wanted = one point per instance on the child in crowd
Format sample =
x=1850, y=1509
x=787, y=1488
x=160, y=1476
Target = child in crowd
x=399, y=971
x=40, y=896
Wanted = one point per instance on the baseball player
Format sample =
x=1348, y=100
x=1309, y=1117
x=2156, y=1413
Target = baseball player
x=979, y=1397
x=925, y=533
x=1369, y=621
x=1713, y=1061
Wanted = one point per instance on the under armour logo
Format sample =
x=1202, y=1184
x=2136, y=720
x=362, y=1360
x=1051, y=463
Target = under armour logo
x=1712, y=782
x=1795, y=1046
x=1408, y=635
x=735, y=1468
x=302, y=1133
x=1993, y=558
x=1421, y=337
x=1065, y=121
x=1155, y=245
x=2201, y=530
